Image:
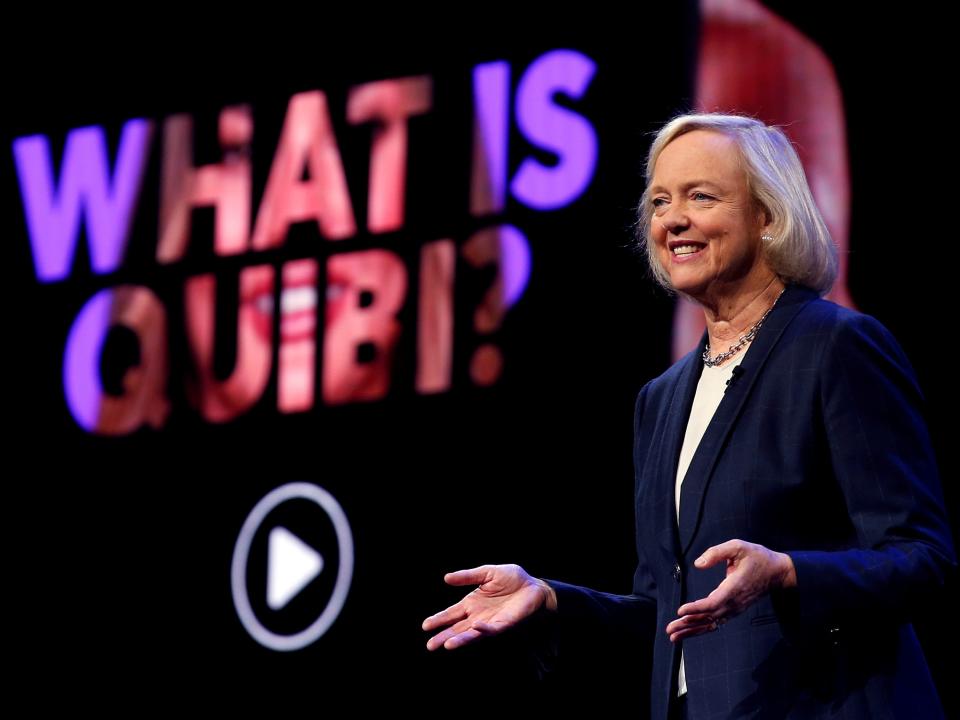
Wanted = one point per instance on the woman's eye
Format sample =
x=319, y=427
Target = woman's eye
x=658, y=202
x=701, y=196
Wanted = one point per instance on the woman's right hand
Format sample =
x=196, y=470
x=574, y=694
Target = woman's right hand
x=506, y=595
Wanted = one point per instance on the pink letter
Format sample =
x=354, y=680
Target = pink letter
x=435, y=321
x=364, y=292
x=390, y=103
x=221, y=400
x=306, y=142
x=225, y=186
x=298, y=336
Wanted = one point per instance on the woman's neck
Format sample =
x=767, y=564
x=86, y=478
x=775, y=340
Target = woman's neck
x=730, y=318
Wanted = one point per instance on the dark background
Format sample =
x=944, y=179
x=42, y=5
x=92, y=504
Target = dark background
x=120, y=548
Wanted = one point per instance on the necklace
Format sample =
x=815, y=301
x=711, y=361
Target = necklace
x=744, y=339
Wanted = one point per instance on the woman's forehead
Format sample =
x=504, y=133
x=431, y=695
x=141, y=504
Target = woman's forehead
x=700, y=156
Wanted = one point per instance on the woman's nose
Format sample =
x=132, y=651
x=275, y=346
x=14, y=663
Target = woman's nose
x=674, y=220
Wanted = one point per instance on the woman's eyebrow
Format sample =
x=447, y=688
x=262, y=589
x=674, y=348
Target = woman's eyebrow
x=687, y=185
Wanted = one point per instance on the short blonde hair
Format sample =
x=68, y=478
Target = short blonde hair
x=802, y=250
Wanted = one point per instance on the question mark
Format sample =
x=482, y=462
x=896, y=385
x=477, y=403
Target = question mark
x=508, y=248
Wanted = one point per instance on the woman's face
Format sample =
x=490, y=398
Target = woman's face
x=706, y=227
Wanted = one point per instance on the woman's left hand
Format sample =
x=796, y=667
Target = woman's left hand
x=752, y=571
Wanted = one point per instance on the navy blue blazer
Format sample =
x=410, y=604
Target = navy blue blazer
x=819, y=450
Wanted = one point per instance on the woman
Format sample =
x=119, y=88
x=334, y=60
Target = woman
x=788, y=509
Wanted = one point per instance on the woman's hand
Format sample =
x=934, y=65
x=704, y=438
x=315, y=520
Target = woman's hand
x=505, y=596
x=752, y=571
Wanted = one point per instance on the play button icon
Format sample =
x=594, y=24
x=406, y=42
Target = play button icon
x=292, y=565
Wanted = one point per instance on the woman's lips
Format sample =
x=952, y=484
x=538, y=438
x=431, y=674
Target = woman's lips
x=298, y=302
x=688, y=257
x=686, y=245
x=298, y=313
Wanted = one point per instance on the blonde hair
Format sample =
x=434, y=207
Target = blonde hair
x=801, y=250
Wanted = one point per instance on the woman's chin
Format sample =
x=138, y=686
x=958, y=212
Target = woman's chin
x=691, y=287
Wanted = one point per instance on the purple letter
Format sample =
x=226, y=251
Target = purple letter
x=565, y=133
x=491, y=133
x=53, y=211
x=143, y=401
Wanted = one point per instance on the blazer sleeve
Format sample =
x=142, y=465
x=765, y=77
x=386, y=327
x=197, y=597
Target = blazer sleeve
x=884, y=464
x=628, y=620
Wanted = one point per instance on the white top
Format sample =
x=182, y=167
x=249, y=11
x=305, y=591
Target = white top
x=710, y=389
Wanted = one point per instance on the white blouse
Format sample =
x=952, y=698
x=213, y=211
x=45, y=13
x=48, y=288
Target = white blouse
x=710, y=389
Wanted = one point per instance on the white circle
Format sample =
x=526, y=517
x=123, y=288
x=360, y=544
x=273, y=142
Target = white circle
x=241, y=553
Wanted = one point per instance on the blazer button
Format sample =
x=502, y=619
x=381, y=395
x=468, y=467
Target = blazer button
x=676, y=572
x=834, y=635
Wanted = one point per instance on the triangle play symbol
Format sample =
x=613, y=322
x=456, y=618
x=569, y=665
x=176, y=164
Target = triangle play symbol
x=291, y=565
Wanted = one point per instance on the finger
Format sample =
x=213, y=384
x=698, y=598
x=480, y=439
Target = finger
x=440, y=639
x=693, y=632
x=461, y=639
x=473, y=576
x=692, y=625
x=465, y=632
x=704, y=606
x=689, y=621
x=715, y=603
x=494, y=628
x=445, y=617
x=715, y=554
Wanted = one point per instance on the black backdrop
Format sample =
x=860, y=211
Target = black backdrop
x=121, y=547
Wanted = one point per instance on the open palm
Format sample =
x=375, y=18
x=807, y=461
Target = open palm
x=506, y=595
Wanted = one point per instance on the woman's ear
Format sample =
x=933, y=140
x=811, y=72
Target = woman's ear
x=764, y=218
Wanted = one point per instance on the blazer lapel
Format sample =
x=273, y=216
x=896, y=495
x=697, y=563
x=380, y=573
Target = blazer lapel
x=697, y=478
x=671, y=443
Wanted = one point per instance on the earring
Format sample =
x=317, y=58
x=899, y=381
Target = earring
x=767, y=238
